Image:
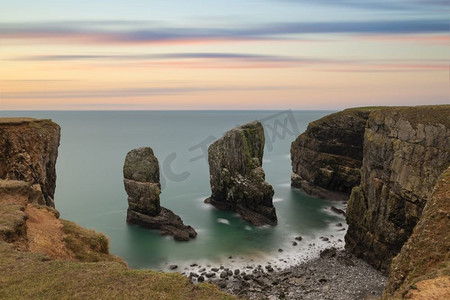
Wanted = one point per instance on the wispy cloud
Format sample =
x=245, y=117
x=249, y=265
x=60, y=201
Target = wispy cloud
x=130, y=92
x=164, y=56
x=398, y=5
x=244, y=61
x=97, y=34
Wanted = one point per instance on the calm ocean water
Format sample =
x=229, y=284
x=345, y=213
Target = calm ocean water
x=90, y=189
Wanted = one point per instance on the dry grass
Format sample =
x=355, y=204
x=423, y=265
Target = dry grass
x=34, y=276
x=12, y=222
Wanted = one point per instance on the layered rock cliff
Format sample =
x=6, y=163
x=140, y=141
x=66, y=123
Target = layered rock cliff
x=29, y=148
x=327, y=157
x=141, y=180
x=236, y=175
x=406, y=149
x=425, y=258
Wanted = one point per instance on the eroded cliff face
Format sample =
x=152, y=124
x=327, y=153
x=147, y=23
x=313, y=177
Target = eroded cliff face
x=29, y=148
x=236, y=175
x=425, y=258
x=405, y=151
x=327, y=157
x=141, y=180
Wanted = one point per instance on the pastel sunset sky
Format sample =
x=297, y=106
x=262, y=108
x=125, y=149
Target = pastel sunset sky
x=222, y=54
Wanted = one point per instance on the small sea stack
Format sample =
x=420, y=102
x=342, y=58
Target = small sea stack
x=237, y=177
x=142, y=184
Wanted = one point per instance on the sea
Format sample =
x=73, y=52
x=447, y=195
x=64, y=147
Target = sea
x=90, y=189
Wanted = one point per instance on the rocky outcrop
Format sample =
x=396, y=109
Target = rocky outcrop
x=426, y=254
x=406, y=149
x=236, y=175
x=29, y=148
x=327, y=157
x=14, y=196
x=142, y=184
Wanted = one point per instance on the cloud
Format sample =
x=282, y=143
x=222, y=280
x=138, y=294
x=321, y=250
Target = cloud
x=165, y=56
x=244, y=61
x=98, y=34
x=130, y=92
x=398, y=5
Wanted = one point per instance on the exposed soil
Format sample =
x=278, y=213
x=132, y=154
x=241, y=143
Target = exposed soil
x=431, y=289
x=44, y=233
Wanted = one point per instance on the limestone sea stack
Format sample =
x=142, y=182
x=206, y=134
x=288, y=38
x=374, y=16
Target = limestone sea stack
x=142, y=184
x=236, y=175
x=29, y=151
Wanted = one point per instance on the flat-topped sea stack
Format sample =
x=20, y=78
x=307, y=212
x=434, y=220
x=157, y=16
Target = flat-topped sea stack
x=142, y=184
x=237, y=177
x=29, y=148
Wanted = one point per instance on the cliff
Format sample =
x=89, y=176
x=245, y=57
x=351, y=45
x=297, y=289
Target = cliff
x=425, y=258
x=326, y=159
x=236, y=175
x=29, y=148
x=406, y=149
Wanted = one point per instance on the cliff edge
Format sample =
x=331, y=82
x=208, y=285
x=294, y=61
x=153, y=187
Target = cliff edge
x=29, y=148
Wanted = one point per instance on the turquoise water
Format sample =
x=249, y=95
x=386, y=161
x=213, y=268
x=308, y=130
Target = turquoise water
x=90, y=189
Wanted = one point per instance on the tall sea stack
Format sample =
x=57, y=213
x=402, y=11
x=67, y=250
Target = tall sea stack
x=142, y=184
x=237, y=177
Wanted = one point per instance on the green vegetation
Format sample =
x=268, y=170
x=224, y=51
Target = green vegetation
x=16, y=120
x=34, y=276
x=12, y=221
x=427, y=114
x=86, y=245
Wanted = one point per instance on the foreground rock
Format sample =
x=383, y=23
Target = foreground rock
x=406, y=149
x=236, y=175
x=327, y=157
x=339, y=276
x=29, y=148
x=426, y=254
x=142, y=184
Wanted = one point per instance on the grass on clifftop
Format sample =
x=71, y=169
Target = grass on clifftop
x=86, y=245
x=34, y=276
x=426, y=114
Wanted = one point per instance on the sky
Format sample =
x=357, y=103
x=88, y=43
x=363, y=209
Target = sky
x=223, y=54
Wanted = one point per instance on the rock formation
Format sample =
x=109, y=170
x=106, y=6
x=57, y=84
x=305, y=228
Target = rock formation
x=426, y=254
x=405, y=151
x=401, y=151
x=141, y=179
x=14, y=196
x=327, y=157
x=29, y=151
x=236, y=175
